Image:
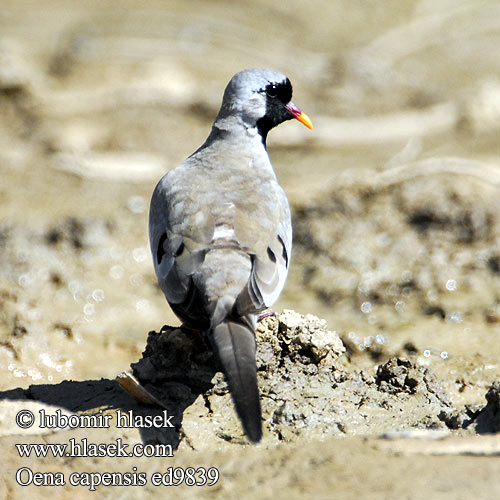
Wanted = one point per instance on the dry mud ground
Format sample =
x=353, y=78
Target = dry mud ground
x=396, y=201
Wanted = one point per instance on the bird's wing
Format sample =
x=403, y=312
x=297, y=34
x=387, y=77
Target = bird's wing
x=179, y=233
x=270, y=252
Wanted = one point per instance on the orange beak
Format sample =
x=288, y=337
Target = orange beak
x=299, y=115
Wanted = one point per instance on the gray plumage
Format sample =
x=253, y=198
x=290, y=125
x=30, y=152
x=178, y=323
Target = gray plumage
x=221, y=235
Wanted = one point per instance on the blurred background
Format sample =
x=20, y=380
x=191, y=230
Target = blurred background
x=395, y=193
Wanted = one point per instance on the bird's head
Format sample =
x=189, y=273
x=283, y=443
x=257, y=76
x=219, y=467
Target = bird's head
x=262, y=99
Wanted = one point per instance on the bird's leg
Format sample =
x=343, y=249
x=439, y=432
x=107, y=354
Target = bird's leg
x=266, y=314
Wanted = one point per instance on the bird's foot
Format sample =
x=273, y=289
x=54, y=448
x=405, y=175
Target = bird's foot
x=266, y=314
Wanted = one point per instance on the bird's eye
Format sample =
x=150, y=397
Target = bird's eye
x=272, y=90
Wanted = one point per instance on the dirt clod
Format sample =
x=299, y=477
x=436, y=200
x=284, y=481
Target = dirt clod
x=403, y=375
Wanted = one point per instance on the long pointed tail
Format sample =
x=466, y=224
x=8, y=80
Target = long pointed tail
x=233, y=341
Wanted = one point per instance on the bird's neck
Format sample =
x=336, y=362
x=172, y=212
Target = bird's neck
x=238, y=134
x=233, y=139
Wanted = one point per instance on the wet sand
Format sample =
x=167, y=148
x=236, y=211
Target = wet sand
x=396, y=238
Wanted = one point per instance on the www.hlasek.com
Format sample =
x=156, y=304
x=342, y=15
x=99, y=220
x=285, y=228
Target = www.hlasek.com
x=172, y=476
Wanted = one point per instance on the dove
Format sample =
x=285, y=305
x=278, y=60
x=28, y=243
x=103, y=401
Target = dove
x=221, y=235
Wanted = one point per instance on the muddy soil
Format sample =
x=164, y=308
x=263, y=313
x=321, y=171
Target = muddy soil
x=394, y=392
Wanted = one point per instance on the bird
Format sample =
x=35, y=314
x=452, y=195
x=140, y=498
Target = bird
x=221, y=235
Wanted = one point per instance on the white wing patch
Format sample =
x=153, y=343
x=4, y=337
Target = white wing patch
x=271, y=298
x=223, y=231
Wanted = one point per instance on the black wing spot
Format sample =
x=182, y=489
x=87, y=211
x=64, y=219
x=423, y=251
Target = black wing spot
x=284, y=252
x=179, y=250
x=160, y=251
x=271, y=255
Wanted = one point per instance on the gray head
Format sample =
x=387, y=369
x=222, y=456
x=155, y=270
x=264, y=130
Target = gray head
x=261, y=98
